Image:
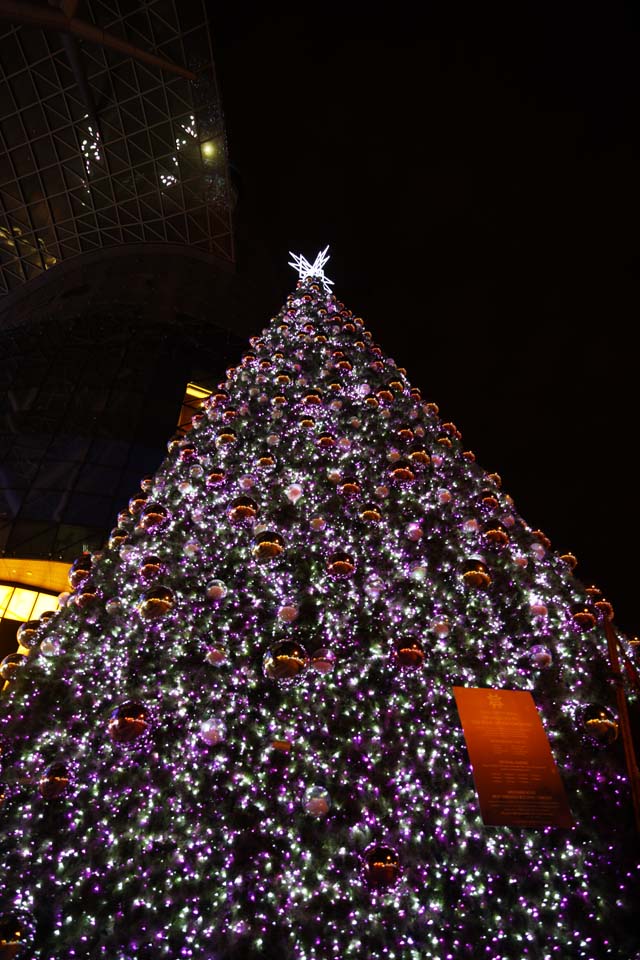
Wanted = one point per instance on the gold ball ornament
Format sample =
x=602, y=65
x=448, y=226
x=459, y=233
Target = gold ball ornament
x=409, y=653
x=496, y=535
x=348, y=487
x=80, y=570
x=87, y=595
x=150, y=568
x=128, y=722
x=285, y=660
x=381, y=866
x=215, y=478
x=137, y=503
x=17, y=931
x=226, y=438
x=600, y=725
x=583, y=617
x=402, y=472
x=156, y=603
x=54, y=781
x=341, y=564
x=117, y=538
x=154, y=517
x=11, y=666
x=420, y=458
x=28, y=634
x=476, y=574
x=243, y=510
x=268, y=545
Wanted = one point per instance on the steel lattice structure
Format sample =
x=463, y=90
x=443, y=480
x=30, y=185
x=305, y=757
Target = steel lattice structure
x=100, y=149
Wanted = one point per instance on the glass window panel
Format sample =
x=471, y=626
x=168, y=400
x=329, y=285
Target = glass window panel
x=44, y=601
x=5, y=596
x=21, y=604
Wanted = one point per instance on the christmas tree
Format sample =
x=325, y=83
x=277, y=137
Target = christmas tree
x=238, y=738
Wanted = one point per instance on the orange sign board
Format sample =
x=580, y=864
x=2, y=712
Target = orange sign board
x=516, y=778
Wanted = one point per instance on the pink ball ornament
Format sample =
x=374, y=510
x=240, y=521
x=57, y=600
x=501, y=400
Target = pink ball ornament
x=538, y=609
x=216, y=590
x=538, y=550
x=317, y=802
x=413, y=532
x=470, y=526
x=318, y=523
x=437, y=459
x=541, y=656
x=382, y=491
x=445, y=496
x=520, y=560
x=215, y=655
x=192, y=548
x=294, y=492
x=441, y=627
x=375, y=585
x=212, y=732
x=246, y=483
x=323, y=660
x=273, y=440
x=288, y=613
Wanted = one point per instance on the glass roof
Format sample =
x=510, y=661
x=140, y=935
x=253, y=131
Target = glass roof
x=99, y=148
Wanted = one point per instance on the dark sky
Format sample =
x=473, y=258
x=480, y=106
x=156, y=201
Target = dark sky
x=474, y=168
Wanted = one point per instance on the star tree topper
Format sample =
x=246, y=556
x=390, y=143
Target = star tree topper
x=307, y=270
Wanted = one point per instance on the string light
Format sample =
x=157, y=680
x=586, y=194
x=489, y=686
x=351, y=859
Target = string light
x=240, y=819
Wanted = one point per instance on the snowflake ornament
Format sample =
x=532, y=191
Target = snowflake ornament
x=307, y=270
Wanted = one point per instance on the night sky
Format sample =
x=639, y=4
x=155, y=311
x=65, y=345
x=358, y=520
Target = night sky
x=475, y=170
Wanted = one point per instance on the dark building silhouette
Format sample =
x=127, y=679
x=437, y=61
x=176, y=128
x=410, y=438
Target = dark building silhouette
x=118, y=285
